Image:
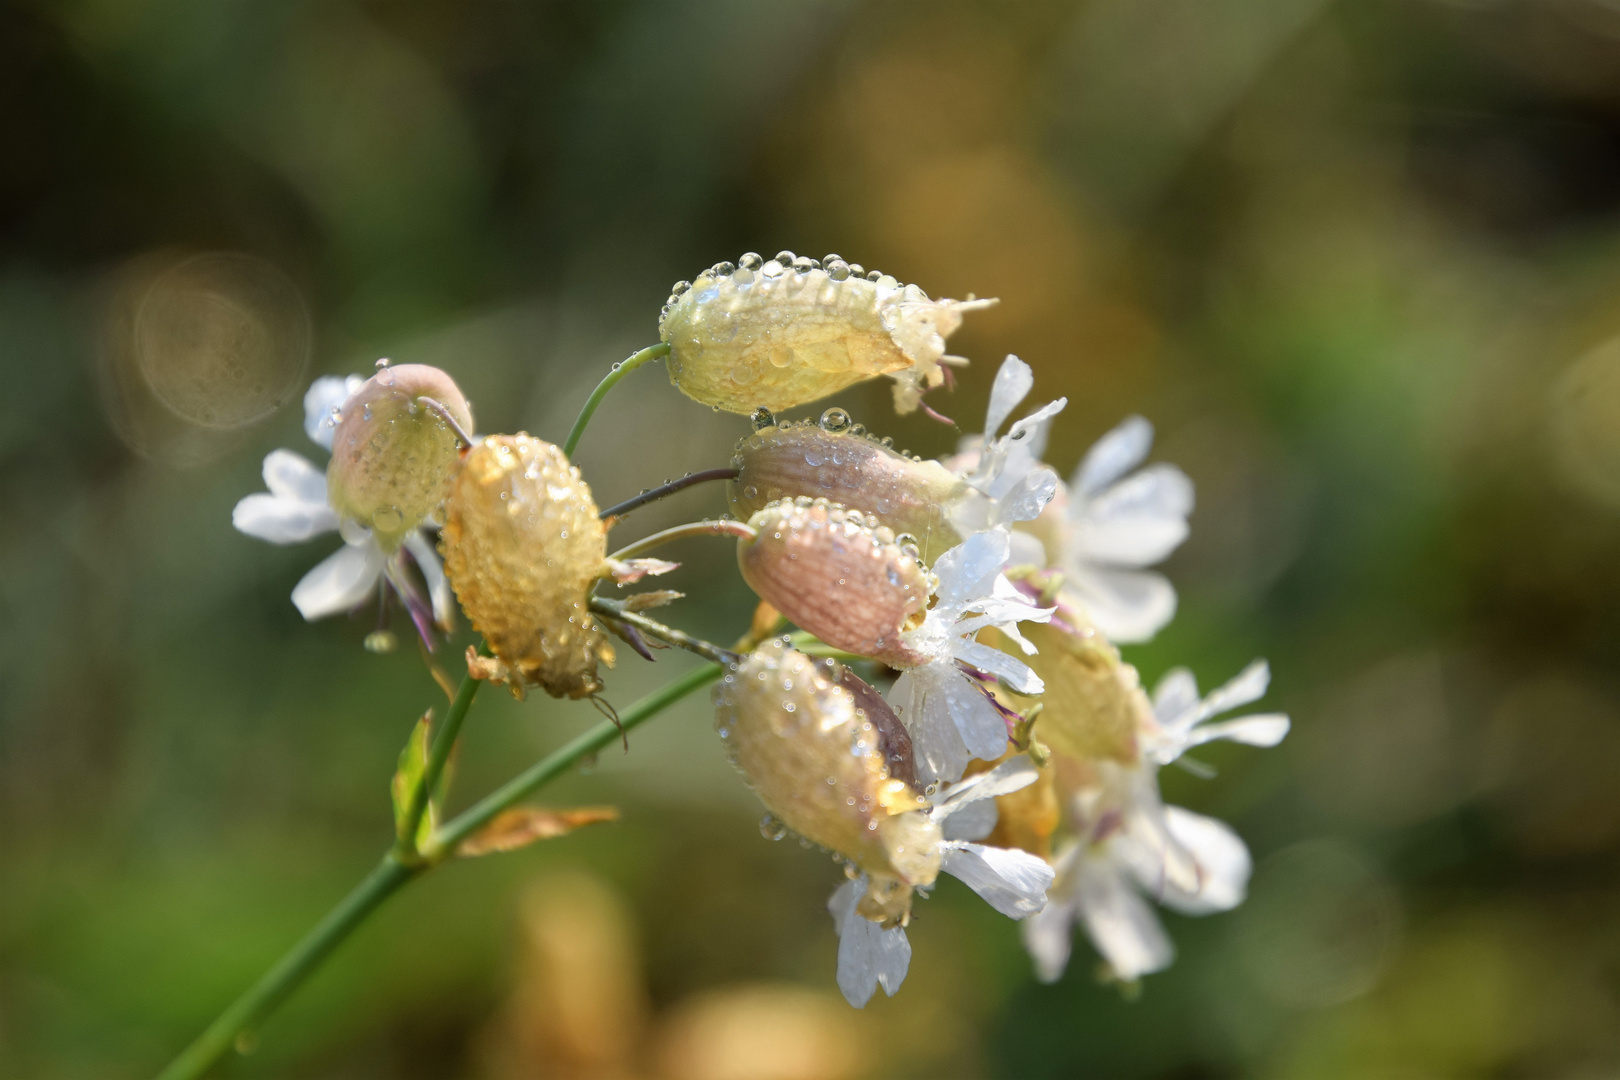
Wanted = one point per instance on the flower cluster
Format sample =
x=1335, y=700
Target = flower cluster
x=988, y=595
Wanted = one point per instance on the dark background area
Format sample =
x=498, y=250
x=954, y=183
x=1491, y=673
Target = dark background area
x=1358, y=261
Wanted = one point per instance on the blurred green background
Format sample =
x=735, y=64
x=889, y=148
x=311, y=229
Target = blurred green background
x=1358, y=261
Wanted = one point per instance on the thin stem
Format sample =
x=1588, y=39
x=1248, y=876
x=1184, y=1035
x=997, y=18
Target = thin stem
x=620, y=370
x=689, y=480
x=444, y=741
x=272, y=989
x=720, y=527
x=617, y=609
x=253, y=1007
x=443, y=413
x=810, y=645
x=555, y=764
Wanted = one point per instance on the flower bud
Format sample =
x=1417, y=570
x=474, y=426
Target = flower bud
x=838, y=575
x=1094, y=705
x=815, y=760
x=782, y=333
x=393, y=455
x=522, y=545
x=829, y=460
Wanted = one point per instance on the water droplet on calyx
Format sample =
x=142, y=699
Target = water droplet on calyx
x=835, y=420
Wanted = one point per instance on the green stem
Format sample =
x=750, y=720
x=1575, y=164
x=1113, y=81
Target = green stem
x=555, y=764
x=444, y=741
x=279, y=982
x=272, y=989
x=620, y=370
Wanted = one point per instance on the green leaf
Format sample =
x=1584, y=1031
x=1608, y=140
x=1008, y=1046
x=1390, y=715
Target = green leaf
x=408, y=778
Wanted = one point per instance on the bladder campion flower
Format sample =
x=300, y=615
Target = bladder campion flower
x=849, y=582
x=297, y=507
x=1104, y=528
x=779, y=333
x=1123, y=841
x=839, y=462
x=522, y=546
x=395, y=448
x=836, y=574
x=817, y=760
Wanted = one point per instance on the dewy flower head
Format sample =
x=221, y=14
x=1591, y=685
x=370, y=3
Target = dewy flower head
x=837, y=461
x=395, y=448
x=1127, y=842
x=297, y=508
x=780, y=333
x=523, y=545
x=817, y=760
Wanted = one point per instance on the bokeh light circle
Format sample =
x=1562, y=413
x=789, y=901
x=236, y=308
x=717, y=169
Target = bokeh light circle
x=222, y=339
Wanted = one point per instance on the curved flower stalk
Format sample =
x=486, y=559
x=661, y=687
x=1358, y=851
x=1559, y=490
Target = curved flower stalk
x=819, y=758
x=297, y=507
x=1126, y=845
x=780, y=333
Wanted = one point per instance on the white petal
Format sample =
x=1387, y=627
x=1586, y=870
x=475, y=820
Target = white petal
x=1026, y=550
x=983, y=731
x=325, y=394
x=1010, y=670
x=1261, y=729
x=1012, y=775
x=1249, y=685
x=1127, y=605
x=1013, y=383
x=340, y=582
x=427, y=561
x=1013, y=882
x=1120, y=923
x=921, y=699
x=1114, y=455
x=282, y=521
x=1175, y=699
x=293, y=476
x=1046, y=937
x=1150, y=506
x=970, y=820
x=1028, y=497
x=868, y=955
x=1024, y=431
x=1223, y=863
x=969, y=569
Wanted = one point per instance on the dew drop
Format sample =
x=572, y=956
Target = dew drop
x=835, y=420
x=770, y=827
x=763, y=419
x=750, y=261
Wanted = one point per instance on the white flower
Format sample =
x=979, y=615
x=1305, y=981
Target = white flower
x=1112, y=525
x=1181, y=714
x=1128, y=843
x=951, y=717
x=296, y=509
x=1008, y=480
x=1116, y=524
x=1013, y=882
